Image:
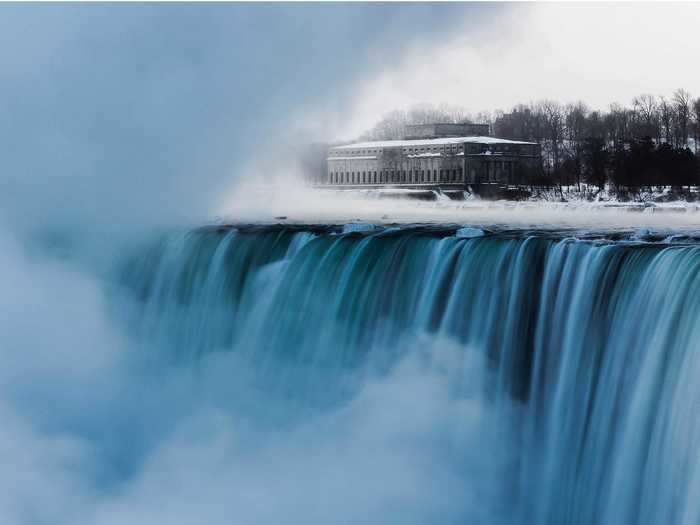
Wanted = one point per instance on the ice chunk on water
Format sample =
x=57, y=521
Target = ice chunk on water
x=358, y=227
x=469, y=233
x=641, y=234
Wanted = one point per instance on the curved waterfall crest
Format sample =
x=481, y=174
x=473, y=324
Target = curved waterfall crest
x=590, y=348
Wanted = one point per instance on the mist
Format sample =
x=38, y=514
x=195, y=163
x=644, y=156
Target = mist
x=124, y=121
x=144, y=115
x=102, y=427
x=289, y=204
x=157, y=373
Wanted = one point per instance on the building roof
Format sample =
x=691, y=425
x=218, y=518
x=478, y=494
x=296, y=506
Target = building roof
x=428, y=142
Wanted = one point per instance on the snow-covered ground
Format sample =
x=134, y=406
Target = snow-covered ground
x=298, y=205
x=590, y=193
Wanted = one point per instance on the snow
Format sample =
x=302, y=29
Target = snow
x=421, y=155
x=440, y=196
x=641, y=234
x=428, y=142
x=255, y=203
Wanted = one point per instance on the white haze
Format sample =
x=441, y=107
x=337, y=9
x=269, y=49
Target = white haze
x=93, y=433
x=289, y=203
x=122, y=120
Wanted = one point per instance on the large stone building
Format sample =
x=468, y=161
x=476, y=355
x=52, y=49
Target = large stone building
x=443, y=155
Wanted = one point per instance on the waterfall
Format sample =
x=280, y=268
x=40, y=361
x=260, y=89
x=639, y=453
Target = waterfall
x=589, y=348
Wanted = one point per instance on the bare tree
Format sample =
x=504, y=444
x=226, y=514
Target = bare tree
x=391, y=126
x=596, y=125
x=554, y=125
x=696, y=118
x=617, y=124
x=575, y=116
x=682, y=103
x=666, y=113
x=522, y=123
x=641, y=144
x=646, y=110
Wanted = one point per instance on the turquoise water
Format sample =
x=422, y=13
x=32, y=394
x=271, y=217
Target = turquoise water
x=582, y=354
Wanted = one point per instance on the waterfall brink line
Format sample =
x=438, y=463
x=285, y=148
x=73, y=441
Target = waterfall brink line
x=585, y=337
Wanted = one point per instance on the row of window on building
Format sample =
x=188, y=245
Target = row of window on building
x=422, y=149
x=355, y=152
x=396, y=176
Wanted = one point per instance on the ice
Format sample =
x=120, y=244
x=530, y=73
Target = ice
x=641, y=234
x=358, y=227
x=469, y=233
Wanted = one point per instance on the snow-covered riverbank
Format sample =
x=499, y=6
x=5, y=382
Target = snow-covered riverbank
x=293, y=205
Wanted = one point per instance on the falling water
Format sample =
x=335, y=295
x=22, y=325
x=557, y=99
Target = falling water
x=589, y=348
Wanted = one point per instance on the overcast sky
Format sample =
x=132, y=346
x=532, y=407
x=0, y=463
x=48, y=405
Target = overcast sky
x=598, y=52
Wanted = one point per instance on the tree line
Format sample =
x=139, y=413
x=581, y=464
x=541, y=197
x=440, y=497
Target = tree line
x=654, y=141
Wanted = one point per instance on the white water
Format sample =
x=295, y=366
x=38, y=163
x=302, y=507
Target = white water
x=377, y=377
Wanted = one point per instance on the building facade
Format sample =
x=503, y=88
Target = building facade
x=450, y=162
